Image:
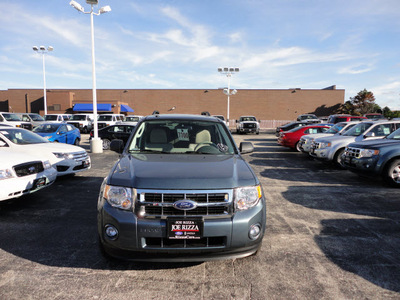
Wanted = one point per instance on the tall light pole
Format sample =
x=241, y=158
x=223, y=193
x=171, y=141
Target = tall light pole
x=43, y=50
x=228, y=72
x=95, y=143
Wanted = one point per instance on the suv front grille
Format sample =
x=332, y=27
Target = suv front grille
x=352, y=152
x=80, y=156
x=249, y=125
x=161, y=204
x=29, y=168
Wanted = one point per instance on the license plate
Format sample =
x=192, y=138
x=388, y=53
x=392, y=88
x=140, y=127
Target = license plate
x=180, y=229
x=39, y=183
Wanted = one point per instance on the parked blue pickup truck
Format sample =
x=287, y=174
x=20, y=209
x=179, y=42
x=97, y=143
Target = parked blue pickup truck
x=375, y=158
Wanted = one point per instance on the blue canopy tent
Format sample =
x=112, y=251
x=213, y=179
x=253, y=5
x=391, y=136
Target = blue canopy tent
x=126, y=108
x=89, y=107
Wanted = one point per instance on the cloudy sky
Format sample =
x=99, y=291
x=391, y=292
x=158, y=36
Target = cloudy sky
x=151, y=44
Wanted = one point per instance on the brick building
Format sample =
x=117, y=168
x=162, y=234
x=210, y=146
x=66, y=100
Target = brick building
x=264, y=104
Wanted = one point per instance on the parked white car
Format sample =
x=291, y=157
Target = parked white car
x=13, y=120
x=22, y=174
x=67, y=159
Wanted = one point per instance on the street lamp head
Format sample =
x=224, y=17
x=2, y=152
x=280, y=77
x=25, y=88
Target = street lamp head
x=50, y=48
x=42, y=48
x=219, y=69
x=77, y=6
x=92, y=2
x=35, y=48
x=105, y=9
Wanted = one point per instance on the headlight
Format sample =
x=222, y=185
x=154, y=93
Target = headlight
x=247, y=197
x=63, y=155
x=46, y=165
x=119, y=197
x=6, y=174
x=325, y=145
x=368, y=152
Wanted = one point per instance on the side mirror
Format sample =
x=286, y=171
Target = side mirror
x=117, y=146
x=61, y=132
x=246, y=147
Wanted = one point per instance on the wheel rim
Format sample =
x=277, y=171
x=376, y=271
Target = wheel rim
x=396, y=174
x=106, y=144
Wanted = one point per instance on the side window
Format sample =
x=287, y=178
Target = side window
x=59, y=118
x=63, y=128
x=128, y=129
x=69, y=127
x=112, y=129
x=1, y=119
x=25, y=118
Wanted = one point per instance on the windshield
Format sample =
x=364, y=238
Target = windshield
x=395, y=135
x=181, y=136
x=36, y=117
x=50, y=117
x=12, y=117
x=22, y=137
x=104, y=118
x=336, y=128
x=78, y=118
x=358, y=129
x=132, y=119
x=248, y=119
x=46, y=128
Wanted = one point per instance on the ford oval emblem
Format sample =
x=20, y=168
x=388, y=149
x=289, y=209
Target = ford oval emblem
x=185, y=204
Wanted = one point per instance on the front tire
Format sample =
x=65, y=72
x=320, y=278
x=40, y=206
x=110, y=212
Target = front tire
x=391, y=174
x=106, y=144
x=337, y=159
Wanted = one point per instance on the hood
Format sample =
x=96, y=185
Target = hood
x=375, y=144
x=45, y=149
x=182, y=171
x=316, y=135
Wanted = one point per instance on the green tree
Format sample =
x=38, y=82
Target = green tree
x=346, y=108
x=363, y=102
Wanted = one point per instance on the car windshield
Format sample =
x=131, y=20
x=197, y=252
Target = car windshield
x=395, y=135
x=12, y=117
x=50, y=117
x=358, y=129
x=36, y=117
x=182, y=136
x=132, y=119
x=22, y=137
x=336, y=128
x=248, y=119
x=46, y=128
x=78, y=118
x=104, y=118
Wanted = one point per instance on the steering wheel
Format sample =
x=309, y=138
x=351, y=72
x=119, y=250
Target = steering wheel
x=209, y=148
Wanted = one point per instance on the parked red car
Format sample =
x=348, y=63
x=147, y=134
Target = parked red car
x=292, y=137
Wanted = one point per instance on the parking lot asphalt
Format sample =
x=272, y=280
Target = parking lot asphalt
x=330, y=235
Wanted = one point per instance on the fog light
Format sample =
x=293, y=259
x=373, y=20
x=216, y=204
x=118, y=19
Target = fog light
x=254, y=231
x=111, y=232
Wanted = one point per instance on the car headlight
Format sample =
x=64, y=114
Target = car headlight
x=63, y=155
x=368, y=152
x=6, y=174
x=325, y=145
x=247, y=197
x=46, y=165
x=119, y=197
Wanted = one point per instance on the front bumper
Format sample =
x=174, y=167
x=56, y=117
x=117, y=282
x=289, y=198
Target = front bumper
x=73, y=165
x=366, y=166
x=19, y=186
x=142, y=239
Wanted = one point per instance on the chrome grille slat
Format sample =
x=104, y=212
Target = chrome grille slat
x=159, y=204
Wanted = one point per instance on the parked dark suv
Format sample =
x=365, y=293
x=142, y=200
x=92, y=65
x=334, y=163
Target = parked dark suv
x=181, y=191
